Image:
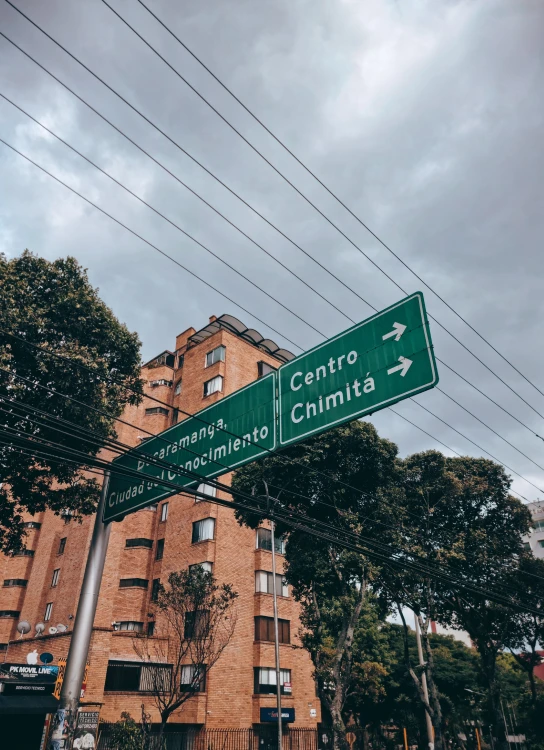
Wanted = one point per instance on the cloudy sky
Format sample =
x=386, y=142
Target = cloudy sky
x=424, y=116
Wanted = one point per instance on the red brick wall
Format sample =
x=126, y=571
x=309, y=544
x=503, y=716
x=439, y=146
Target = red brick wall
x=229, y=700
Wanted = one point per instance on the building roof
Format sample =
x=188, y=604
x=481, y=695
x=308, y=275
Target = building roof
x=235, y=326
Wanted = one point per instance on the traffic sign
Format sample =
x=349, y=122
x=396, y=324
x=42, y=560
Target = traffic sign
x=384, y=359
x=234, y=431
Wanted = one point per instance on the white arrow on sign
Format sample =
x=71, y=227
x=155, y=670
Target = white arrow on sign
x=398, y=330
x=404, y=366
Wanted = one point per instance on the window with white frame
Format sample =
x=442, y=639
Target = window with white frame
x=265, y=680
x=48, y=611
x=215, y=385
x=177, y=389
x=216, y=355
x=205, y=489
x=264, y=541
x=264, y=582
x=203, y=530
x=207, y=566
x=164, y=511
x=55, y=579
x=193, y=678
x=132, y=625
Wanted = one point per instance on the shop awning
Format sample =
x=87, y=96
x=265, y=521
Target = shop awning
x=28, y=704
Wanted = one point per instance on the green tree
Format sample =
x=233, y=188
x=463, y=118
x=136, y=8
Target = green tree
x=526, y=633
x=196, y=618
x=346, y=479
x=430, y=492
x=486, y=525
x=52, y=305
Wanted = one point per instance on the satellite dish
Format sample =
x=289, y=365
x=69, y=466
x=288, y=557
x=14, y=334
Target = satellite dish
x=46, y=658
x=40, y=627
x=62, y=628
x=23, y=627
x=52, y=630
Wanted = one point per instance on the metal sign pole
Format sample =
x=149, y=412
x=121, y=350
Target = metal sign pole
x=64, y=721
x=276, y=638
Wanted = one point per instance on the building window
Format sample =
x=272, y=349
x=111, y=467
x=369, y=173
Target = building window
x=132, y=625
x=160, y=549
x=62, y=546
x=216, y=355
x=139, y=542
x=151, y=628
x=133, y=583
x=32, y=525
x=152, y=507
x=193, y=678
x=161, y=381
x=206, y=489
x=164, y=512
x=177, y=389
x=264, y=541
x=215, y=385
x=181, y=358
x=9, y=613
x=196, y=624
x=207, y=566
x=538, y=525
x=48, y=610
x=4, y=646
x=55, y=579
x=15, y=582
x=128, y=677
x=541, y=542
x=265, y=369
x=264, y=630
x=24, y=553
x=156, y=410
x=264, y=582
x=265, y=680
x=155, y=588
x=526, y=546
x=203, y=530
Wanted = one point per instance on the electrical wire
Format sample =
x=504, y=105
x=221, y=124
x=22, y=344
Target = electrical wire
x=232, y=224
x=332, y=194
x=372, y=548
x=101, y=441
x=228, y=298
x=247, y=204
x=324, y=216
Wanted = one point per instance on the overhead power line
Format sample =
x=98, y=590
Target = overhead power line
x=334, y=195
x=243, y=233
x=177, y=145
x=328, y=220
x=72, y=429
x=368, y=547
x=117, y=221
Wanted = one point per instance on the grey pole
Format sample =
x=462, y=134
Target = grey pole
x=276, y=638
x=430, y=732
x=64, y=722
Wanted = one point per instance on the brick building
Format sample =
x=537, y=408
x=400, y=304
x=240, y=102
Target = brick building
x=43, y=584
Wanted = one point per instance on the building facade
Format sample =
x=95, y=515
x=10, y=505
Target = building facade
x=42, y=586
x=535, y=540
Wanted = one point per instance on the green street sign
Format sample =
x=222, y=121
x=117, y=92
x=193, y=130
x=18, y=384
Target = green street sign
x=378, y=362
x=234, y=431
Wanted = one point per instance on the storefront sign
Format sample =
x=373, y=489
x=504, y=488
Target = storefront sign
x=45, y=673
x=271, y=714
x=27, y=688
x=86, y=729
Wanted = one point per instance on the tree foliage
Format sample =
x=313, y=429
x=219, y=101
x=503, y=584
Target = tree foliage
x=345, y=479
x=53, y=306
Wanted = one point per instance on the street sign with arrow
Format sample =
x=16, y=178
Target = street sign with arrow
x=384, y=359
